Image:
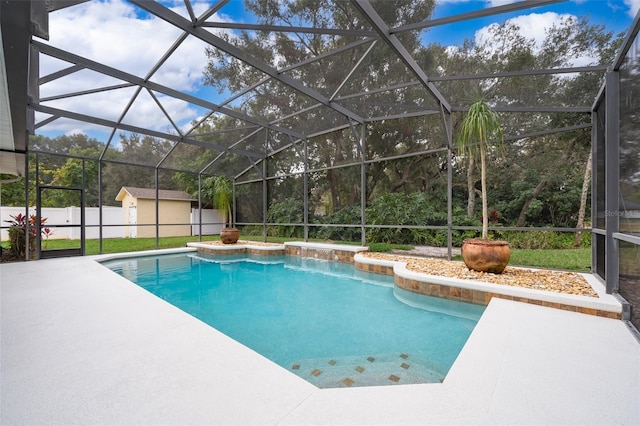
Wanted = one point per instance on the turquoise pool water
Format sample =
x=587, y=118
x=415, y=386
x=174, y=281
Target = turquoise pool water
x=325, y=321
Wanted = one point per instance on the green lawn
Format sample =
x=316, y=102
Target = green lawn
x=570, y=259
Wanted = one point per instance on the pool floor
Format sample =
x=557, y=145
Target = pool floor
x=372, y=370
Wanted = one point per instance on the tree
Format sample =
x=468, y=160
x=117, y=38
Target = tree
x=480, y=131
x=143, y=153
x=271, y=99
x=222, y=192
x=74, y=173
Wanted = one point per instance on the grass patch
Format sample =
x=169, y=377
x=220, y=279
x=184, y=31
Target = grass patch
x=119, y=245
x=569, y=259
x=578, y=260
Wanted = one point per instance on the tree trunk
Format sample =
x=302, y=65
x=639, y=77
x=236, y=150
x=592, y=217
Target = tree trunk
x=471, y=189
x=523, y=213
x=405, y=176
x=485, y=207
x=583, y=201
x=332, y=178
x=332, y=175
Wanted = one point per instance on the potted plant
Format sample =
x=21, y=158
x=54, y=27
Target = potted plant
x=480, y=130
x=223, y=201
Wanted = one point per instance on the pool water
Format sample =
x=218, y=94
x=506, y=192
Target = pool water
x=329, y=323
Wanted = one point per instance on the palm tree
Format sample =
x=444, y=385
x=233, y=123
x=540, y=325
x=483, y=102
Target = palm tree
x=223, y=197
x=480, y=130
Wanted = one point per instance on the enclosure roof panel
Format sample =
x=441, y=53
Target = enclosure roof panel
x=176, y=70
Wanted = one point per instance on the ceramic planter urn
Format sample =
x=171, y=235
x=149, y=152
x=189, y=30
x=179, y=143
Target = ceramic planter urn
x=486, y=255
x=229, y=235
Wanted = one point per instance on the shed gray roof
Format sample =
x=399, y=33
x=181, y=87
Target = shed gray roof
x=150, y=193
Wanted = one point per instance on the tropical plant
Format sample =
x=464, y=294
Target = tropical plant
x=480, y=131
x=19, y=224
x=290, y=210
x=222, y=192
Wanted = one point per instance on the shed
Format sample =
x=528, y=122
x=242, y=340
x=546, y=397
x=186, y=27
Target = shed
x=139, y=207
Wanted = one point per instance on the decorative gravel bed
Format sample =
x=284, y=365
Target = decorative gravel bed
x=539, y=279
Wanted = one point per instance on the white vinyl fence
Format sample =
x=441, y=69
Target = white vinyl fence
x=71, y=216
x=213, y=217
x=113, y=220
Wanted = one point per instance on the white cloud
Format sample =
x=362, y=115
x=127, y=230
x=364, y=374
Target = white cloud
x=488, y=3
x=494, y=3
x=634, y=6
x=533, y=26
x=116, y=34
x=75, y=131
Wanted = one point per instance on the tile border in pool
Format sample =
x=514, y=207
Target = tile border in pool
x=334, y=252
x=323, y=251
x=605, y=305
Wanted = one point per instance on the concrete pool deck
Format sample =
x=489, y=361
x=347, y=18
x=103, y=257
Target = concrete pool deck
x=81, y=344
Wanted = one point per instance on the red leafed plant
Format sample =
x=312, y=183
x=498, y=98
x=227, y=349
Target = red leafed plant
x=18, y=232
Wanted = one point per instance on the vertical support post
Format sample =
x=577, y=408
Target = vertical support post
x=305, y=189
x=594, y=186
x=612, y=172
x=363, y=186
x=26, y=198
x=37, y=225
x=447, y=122
x=82, y=203
x=450, y=190
x=157, y=209
x=265, y=199
x=234, y=217
x=100, y=217
x=200, y=207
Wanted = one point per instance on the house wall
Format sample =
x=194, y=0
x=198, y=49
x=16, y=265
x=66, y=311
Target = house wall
x=171, y=212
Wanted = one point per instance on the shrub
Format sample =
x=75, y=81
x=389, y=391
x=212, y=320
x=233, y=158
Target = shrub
x=403, y=210
x=287, y=211
x=18, y=234
x=347, y=215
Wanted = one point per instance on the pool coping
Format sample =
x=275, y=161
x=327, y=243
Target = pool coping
x=79, y=340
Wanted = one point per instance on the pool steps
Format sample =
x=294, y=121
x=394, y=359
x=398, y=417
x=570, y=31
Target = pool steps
x=605, y=305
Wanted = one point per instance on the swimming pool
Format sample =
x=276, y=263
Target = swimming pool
x=327, y=322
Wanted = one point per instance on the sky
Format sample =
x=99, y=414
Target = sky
x=116, y=33
x=615, y=15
